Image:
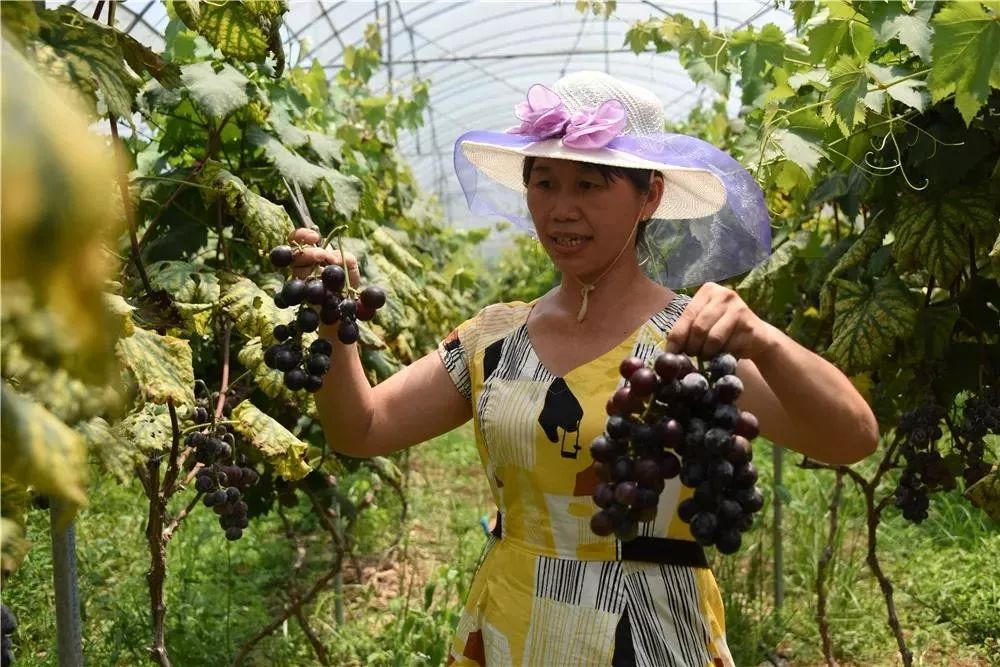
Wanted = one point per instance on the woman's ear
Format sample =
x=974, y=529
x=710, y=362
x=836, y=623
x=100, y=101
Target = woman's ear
x=655, y=194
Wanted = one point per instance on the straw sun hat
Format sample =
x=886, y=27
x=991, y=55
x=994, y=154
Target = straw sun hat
x=712, y=222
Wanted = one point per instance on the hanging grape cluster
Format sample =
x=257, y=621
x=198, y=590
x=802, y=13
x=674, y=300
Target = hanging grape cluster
x=8, y=624
x=668, y=421
x=926, y=469
x=225, y=473
x=325, y=298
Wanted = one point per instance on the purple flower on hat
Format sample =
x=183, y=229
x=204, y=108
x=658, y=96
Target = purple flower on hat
x=595, y=128
x=543, y=115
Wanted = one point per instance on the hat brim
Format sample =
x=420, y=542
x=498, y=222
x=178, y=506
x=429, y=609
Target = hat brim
x=688, y=192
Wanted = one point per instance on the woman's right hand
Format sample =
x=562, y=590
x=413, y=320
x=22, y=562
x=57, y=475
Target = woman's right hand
x=308, y=257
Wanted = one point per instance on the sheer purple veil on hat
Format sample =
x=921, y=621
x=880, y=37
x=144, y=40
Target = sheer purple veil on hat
x=713, y=223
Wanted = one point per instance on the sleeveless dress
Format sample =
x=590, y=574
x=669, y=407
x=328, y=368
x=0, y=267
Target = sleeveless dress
x=548, y=592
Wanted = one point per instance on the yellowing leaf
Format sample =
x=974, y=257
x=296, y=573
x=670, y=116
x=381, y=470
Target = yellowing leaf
x=252, y=308
x=966, y=56
x=868, y=322
x=40, y=451
x=267, y=222
x=985, y=494
x=232, y=27
x=161, y=366
x=276, y=443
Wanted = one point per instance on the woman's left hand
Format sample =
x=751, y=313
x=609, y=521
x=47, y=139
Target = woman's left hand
x=717, y=320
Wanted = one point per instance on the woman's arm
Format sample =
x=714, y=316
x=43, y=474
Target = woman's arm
x=414, y=405
x=802, y=401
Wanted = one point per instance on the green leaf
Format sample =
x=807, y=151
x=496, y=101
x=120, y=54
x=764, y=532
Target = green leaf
x=39, y=450
x=799, y=149
x=848, y=88
x=217, y=93
x=251, y=308
x=985, y=494
x=932, y=234
x=267, y=222
x=911, y=29
x=20, y=22
x=142, y=58
x=762, y=49
x=910, y=92
x=966, y=56
x=161, y=366
x=87, y=52
x=276, y=443
x=932, y=332
x=838, y=31
x=868, y=322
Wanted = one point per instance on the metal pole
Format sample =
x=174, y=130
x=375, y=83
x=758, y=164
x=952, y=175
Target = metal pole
x=68, y=641
x=779, y=583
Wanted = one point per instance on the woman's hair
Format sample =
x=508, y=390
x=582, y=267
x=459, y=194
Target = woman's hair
x=640, y=178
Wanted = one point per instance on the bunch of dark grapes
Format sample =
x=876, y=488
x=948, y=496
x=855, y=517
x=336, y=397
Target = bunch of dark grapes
x=668, y=421
x=212, y=442
x=323, y=298
x=223, y=486
x=8, y=624
x=925, y=468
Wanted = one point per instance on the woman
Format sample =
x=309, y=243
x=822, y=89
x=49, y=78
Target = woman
x=595, y=171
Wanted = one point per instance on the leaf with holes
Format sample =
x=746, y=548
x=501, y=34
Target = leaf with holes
x=217, y=93
x=985, y=494
x=966, y=56
x=868, y=322
x=276, y=443
x=39, y=450
x=161, y=366
x=195, y=293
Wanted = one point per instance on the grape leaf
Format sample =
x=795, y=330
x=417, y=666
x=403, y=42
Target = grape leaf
x=848, y=88
x=910, y=92
x=759, y=286
x=251, y=308
x=860, y=251
x=141, y=58
x=276, y=443
x=868, y=322
x=88, y=51
x=836, y=31
x=932, y=333
x=932, y=234
x=391, y=248
x=799, y=149
x=966, y=56
x=161, y=366
x=759, y=49
x=890, y=21
x=229, y=26
x=267, y=222
x=40, y=451
x=217, y=93
x=985, y=494
x=195, y=292
x=20, y=22
x=14, y=546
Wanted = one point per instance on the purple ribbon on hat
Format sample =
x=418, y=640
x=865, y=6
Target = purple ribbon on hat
x=544, y=116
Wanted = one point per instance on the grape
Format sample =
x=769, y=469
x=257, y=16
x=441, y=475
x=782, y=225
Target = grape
x=603, y=495
x=293, y=291
x=687, y=509
x=670, y=432
x=307, y=319
x=745, y=476
x=233, y=533
x=250, y=477
x=601, y=524
x=692, y=473
x=715, y=441
x=348, y=332
x=318, y=364
x=618, y=427
x=321, y=346
x=730, y=511
x=693, y=385
x=204, y=484
x=643, y=435
x=623, y=400
x=703, y=527
x=281, y=256
x=329, y=313
x=621, y=469
x=348, y=308
x=279, y=300
x=705, y=497
x=627, y=492
x=721, y=473
x=737, y=450
x=295, y=379
x=669, y=390
x=602, y=449
x=629, y=366
x=200, y=415
x=728, y=388
x=668, y=366
x=373, y=297
x=313, y=383
x=334, y=278
x=233, y=494
x=602, y=470
x=627, y=529
x=210, y=499
x=647, y=472
x=747, y=426
x=643, y=382
x=726, y=416
x=315, y=291
x=647, y=498
x=728, y=540
x=364, y=313
x=285, y=359
x=670, y=466
x=721, y=366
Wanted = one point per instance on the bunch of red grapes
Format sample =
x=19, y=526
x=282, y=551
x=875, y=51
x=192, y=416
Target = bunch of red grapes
x=673, y=420
x=324, y=298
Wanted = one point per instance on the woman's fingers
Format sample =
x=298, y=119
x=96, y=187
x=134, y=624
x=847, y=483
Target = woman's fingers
x=306, y=236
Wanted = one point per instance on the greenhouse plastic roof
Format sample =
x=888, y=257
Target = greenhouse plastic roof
x=480, y=58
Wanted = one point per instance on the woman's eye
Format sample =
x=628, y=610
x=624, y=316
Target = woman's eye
x=588, y=185
x=543, y=184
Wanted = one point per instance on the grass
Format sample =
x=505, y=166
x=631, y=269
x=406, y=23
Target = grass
x=403, y=608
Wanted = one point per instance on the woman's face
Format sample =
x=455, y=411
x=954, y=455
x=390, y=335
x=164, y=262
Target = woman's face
x=583, y=220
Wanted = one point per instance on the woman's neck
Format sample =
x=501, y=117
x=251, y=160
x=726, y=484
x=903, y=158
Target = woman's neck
x=611, y=296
